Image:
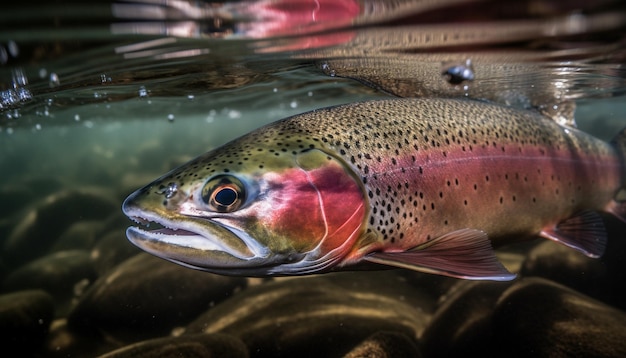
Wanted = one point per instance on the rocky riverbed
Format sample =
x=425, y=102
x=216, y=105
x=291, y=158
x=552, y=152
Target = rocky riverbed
x=73, y=286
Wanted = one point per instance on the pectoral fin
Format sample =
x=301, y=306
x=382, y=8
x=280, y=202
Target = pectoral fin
x=465, y=253
x=584, y=232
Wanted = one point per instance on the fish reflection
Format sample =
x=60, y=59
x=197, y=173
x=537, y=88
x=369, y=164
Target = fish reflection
x=542, y=57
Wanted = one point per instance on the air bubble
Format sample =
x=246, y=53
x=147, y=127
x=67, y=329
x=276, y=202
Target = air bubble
x=457, y=73
x=19, y=78
x=54, y=80
x=14, y=51
x=329, y=71
x=233, y=114
x=170, y=190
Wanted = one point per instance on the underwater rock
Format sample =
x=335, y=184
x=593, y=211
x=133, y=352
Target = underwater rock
x=461, y=326
x=24, y=320
x=539, y=318
x=79, y=235
x=112, y=249
x=615, y=263
x=42, y=186
x=434, y=285
x=385, y=345
x=199, y=345
x=321, y=316
x=13, y=199
x=145, y=297
x=568, y=267
x=59, y=274
x=41, y=226
x=63, y=342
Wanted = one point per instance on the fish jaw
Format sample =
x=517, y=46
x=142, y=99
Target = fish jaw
x=191, y=241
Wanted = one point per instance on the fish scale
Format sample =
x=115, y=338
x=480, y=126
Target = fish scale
x=402, y=157
x=425, y=184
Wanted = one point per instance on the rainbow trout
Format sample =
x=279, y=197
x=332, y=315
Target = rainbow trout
x=423, y=184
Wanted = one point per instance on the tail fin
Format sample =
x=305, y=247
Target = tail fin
x=618, y=206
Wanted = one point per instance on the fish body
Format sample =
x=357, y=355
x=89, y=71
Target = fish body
x=424, y=184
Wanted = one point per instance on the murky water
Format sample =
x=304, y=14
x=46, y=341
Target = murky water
x=98, y=99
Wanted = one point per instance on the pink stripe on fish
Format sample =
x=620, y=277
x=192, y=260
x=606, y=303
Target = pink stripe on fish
x=423, y=196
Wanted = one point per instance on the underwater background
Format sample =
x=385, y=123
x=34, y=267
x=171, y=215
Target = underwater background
x=99, y=98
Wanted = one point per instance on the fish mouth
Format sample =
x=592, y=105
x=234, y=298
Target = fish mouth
x=198, y=243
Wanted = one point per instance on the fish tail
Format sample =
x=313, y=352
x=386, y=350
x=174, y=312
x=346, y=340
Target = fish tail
x=618, y=206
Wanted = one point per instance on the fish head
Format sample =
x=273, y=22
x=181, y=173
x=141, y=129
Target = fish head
x=253, y=207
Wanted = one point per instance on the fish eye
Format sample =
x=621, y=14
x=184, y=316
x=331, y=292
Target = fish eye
x=223, y=193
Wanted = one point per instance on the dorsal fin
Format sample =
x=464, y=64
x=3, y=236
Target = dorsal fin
x=584, y=232
x=465, y=253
